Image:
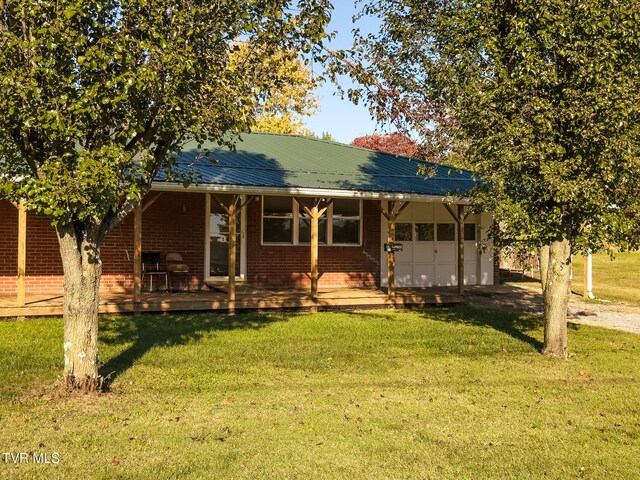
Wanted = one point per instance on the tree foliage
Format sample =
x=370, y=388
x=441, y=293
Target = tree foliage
x=327, y=137
x=99, y=95
x=395, y=143
x=542, y=99
x=280, y=108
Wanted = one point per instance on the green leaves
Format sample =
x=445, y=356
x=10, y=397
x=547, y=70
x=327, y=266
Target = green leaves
x=98, y=95
x=542, y=99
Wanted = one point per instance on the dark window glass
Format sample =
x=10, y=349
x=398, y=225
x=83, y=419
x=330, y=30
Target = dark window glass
x=277, y=222
x=277, y=230
x=304, y=229
x=346, y=208
x=469, y=231
x=278, y=206
x=346, y=221
x=222, y=197
x=403, y=232
x=446, y=232
x=424, y=232
x=346, y=231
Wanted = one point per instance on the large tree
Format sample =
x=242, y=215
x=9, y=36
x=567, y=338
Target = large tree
x=99, y=95
x=542, y=99
x=395, y=143
x=281, y=109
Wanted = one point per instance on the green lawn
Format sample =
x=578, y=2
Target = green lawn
x=446, y=393
x=617, y=280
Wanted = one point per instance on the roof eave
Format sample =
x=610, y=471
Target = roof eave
x=307, y=192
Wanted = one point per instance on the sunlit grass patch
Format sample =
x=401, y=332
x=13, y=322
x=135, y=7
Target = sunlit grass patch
x=442, y=393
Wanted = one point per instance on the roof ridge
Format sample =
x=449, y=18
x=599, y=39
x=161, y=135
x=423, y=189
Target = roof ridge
x=355, y=147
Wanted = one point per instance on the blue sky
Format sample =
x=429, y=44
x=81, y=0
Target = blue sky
x=341, y=118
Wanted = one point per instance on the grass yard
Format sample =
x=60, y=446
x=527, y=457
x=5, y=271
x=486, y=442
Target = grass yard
x=617, y=280
x=445, y=393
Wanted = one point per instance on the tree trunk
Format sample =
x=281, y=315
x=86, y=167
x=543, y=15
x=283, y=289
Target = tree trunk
x=82, y=270
x=391, y=257
x=544, y=265
x=556, y=299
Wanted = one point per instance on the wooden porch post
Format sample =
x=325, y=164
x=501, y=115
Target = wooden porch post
x=314, y=251
x=459, y=217
x=137, y=256
x=391, y=215
x=22, y=253
x=461, y=249
x=315, y=212
x=391, y=256
x=231, y=210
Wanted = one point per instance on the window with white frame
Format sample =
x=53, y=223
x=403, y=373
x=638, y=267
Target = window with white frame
x=346, y=222
x=277, y=220
x=284, y=221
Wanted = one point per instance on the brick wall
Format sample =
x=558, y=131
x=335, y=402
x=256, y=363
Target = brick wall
x=44, y=268
x=8, y=247
x=174, y=223
x=288, y=265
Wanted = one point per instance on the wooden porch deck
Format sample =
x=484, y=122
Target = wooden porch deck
x=248, y=298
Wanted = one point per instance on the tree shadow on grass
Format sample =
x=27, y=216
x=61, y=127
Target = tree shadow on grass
x=514, y=323
x=143, y=332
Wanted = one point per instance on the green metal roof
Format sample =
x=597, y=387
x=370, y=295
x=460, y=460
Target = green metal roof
x=291, y=161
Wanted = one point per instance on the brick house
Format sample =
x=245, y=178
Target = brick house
x=277, y=176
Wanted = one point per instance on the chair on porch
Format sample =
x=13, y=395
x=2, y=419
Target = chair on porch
x=151, y=266
x=176, y=266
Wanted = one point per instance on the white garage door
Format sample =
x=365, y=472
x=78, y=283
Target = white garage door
x=429, y=256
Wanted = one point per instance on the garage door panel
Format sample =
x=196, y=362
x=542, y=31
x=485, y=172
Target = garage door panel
x=446, y=252
x=406, y=255
x=470, y=252
x=429, y=256
x=424, y=275
x=424, y=252
x=470, y=276
x=404, y=275
x=446, y=275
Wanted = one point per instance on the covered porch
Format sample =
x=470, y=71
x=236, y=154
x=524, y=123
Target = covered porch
x=248, y=297
x=360, y=228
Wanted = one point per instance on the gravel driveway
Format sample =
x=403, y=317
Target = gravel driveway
x=528, y=297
